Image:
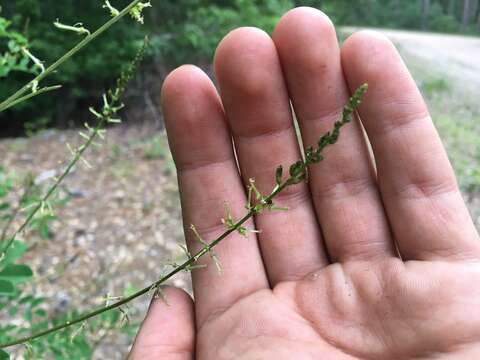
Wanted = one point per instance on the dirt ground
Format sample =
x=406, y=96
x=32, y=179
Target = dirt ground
x=123, y=224
x=120, y=229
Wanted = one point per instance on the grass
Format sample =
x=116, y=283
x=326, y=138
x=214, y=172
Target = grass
x=156, y=147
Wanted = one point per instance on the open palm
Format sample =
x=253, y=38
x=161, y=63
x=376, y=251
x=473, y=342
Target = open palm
x=374, y=260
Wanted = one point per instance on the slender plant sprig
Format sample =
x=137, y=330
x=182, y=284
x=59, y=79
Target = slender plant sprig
x=135, y=9
x=298, y=173
x=31, y=95
x=29, y=183
x=107, y=115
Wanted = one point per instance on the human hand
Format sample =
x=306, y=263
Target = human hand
x=367, y=263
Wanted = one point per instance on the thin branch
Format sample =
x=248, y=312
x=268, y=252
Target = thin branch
x=29, y=96
x=78, y=155
x=298, y=173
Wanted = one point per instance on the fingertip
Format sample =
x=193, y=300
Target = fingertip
x=244, y=60
x=306, y=36
x=239, y=38
x=168, y=330
x=367, y=44
x=303, y=16
x=194, y=117
x=370, y=57
x=180, y=82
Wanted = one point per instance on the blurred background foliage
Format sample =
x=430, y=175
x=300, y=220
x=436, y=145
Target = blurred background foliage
x=180, y=31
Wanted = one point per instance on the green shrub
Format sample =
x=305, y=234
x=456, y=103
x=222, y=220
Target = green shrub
x=13, y=58
x=205, y=26
x=85, y=78
x=186, y=30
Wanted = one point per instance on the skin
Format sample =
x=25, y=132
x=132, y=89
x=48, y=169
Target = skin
x=377, y=257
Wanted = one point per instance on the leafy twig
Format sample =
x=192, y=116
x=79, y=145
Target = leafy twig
x=31, y=95
x=131, y=8
x=298, y=173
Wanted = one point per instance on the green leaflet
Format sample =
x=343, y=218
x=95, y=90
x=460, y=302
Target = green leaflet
x=16, y=274
x=16, y=252
x=6, y=288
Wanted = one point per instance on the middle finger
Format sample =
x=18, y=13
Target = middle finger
x=343, y=186
x=258, y=110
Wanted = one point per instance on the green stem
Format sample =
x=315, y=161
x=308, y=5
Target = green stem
x=298, y=173
x=84, y=42
x=154, y=285
x=29, y=96
x=68, y=169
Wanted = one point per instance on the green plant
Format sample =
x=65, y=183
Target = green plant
x=135, y=9
x=206, y=25
x=76, y=343
x=434, y=85
x=38, y=210
x=42, y=334
x=14, y=58
x=171, y=24
x=155, y=148
x=257, y=203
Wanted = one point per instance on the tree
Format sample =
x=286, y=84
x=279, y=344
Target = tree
x=474, y=9
x=470, y=8
x=452, y=6
x=425, y=13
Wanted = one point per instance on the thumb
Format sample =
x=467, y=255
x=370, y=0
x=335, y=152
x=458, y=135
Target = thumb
x=168, y=331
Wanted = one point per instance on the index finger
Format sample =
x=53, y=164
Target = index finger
x=208, y=176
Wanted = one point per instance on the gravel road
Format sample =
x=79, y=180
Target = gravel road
x=455, y=56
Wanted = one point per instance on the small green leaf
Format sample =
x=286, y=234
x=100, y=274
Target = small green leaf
x=130, y=290
x=297, y=169
x=36, y=302
x=3, y=190
x=4, y=206
x=25, y=300
x=40, y=313
x=15, y=252
x=6, y=288
x=4, y=355
x=16, y=273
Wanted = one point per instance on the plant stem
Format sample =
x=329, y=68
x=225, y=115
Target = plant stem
x=298, y=173
x=110, y=108
x=80, y=45
x=190, y=261
x=68, y=169
x=29, y=96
